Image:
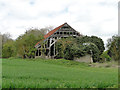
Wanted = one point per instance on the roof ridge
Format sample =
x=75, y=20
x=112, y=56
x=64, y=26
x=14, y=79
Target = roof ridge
x=51, y=32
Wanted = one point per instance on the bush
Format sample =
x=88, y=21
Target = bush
x=93, y=39
x=69, y=49
x=113, y=46
x=9, y=49
x=73, y=51
x=105, y=57
x=92, y=49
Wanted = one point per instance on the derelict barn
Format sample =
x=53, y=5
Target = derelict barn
x=50, y=39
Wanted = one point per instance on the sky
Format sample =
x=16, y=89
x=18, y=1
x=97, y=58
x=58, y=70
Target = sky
x=89, y=17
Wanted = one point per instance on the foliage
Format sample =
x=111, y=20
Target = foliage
x=92, y=49
x=23, y=46
x=41, y=73
x=105, y=57
x=9, y=49
x=93, y=39
x=114, y=47
x=61, y=46
x=73, y=51
x=26, y=42
x=69, y=48
x=93, y=43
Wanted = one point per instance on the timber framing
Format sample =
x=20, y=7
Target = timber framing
x=48, y=46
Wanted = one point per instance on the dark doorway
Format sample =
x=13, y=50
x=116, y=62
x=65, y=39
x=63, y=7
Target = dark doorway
x=52, y=50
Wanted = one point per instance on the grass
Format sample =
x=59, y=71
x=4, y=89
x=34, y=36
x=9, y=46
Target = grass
x=106, y=64
x=41, y=73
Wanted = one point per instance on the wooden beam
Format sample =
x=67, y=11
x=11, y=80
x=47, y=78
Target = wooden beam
x=54, y=49
x=38, y=53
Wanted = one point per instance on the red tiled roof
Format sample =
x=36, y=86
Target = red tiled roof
x=39, y=42
x=50, y=33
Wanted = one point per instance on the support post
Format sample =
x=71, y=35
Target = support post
x=38, y=53
x=49, y=47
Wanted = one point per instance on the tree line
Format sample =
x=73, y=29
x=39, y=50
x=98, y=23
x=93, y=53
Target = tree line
x=69, y=48
x=23, y=46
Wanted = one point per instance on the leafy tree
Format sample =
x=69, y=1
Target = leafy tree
x=105, y=57
x=71, y=48
x=61, y=46
x=7, y=44
x=114, y=47
x=9, y=49
x=93, y=39
x=91, y=48
x=99, y=43
x=26, y=42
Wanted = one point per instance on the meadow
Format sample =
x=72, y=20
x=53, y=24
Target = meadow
x=60, y=73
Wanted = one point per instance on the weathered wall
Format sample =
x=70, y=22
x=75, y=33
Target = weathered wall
x=86, y=59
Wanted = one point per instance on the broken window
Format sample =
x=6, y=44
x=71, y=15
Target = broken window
x=70, y=33
x=60, y=32
x=55, y=37
x=64, y=32
x=65, y=27
x=37, y=53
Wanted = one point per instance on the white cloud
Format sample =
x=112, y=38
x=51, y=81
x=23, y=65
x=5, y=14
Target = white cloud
x=89, y=17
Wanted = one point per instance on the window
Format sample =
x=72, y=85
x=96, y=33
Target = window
x=70, y=33
x=65, y=27
x=60, y=32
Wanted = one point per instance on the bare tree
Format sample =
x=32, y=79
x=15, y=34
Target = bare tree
x=6, y=37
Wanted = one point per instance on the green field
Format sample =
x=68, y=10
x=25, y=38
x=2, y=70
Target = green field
x=40, y=73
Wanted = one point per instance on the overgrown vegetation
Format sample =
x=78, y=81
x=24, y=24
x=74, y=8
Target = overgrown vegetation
x=27, y=42
x=68, y=48
x=114, y=48
x=71, y=48
x=41, y=73
x=105, y=57
x=23, y=46
x=8, y=49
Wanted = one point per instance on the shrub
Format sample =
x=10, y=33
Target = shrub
x=105, y=57
x=92, y=49
x=69, y=48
